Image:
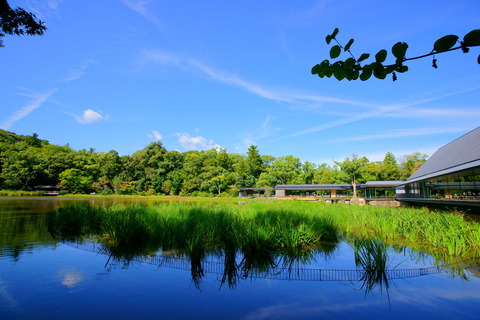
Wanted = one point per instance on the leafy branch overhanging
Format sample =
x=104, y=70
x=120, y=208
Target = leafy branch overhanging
x=352, y=69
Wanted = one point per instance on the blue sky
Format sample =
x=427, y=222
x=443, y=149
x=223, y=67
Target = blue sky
x=203, y=74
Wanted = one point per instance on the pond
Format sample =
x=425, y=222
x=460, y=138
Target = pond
x=42, y=277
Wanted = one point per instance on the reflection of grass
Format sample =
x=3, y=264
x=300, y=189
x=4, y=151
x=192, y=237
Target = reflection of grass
x=371, y=256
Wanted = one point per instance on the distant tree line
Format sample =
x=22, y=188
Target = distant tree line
x=27, y=161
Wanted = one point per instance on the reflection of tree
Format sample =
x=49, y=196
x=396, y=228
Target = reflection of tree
x=233, y=265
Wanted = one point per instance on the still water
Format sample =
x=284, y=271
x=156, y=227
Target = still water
x=44, y=278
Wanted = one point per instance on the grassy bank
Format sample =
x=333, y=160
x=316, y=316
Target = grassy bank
x=254, y=227
x=16, y=193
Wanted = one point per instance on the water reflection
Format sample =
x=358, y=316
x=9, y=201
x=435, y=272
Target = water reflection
x=232, y=267
x=24, y=227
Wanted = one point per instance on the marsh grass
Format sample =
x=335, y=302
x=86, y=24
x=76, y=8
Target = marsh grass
x=371, y=255
x=261, y=229
x=16, y=193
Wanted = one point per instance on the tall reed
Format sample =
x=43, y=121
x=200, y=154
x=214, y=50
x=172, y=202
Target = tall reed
x=262, y=227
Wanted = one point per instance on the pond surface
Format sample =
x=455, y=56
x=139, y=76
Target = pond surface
x=44, y=278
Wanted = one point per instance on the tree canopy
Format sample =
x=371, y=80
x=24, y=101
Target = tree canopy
x=354, y=68
x=18, y=22
x=27, y=161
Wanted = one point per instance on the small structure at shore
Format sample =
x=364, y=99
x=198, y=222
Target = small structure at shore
x=47, y=190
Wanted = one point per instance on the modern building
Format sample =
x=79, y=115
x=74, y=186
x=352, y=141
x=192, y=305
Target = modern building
x=313, y=190
x=450, y=177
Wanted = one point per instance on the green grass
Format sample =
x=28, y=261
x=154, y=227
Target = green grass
x=259, y=229
x=17, y=193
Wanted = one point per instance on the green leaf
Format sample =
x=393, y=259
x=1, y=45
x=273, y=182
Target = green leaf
x=372, y=66
x=316, y=69
x=389, y=69
x=381, y=56
x=335, y=32
x=348, y=45
x=339, y=74
x=349, y=63
x=366, y=74
x=328, y=39
x=355, y=75
x=402, y=69
x=399, y=50
x=445, y=43
x=364, y=56
x=325, y=63
x=472, y=38
x=380, y=72
x=335, y=51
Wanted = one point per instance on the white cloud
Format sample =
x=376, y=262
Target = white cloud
x=196, y=143
x=39, y=99
x=71, y=278
x=154, y=134
x=89, y=116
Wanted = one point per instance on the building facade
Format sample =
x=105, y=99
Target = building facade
x=451, y=176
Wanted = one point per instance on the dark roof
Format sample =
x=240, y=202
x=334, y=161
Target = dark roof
x=461, y=154
x=254, y=189
x=392, y=184
x=46, y=187
x=313, y=187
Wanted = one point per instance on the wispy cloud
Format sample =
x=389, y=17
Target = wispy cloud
x=154, y=134
x=405, y=133
x=196, y=143
x=44, y=8
x=89, y=116
x=37, y=102
x=266, y=129
x=429, y=113
x=79, y=71
x=140, y=6
x=378, y=111
x=279, y=95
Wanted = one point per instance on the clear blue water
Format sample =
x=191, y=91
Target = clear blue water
x=41, y=278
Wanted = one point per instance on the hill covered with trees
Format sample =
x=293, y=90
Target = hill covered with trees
x=27, y=161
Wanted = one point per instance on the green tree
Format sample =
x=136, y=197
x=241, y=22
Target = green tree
x=243, y=178
x=254, y=162
x=73, y=181
x=307, y=175
x=323, y=174
x=267, y=179
x=410, y=163
x=388, y=168
x=354, y=169
x=286, y=169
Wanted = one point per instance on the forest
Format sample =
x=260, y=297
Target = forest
x=28, y=161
